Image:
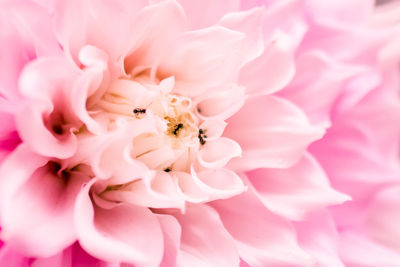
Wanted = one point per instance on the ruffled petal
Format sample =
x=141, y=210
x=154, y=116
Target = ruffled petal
x=124, y=233
x=217, y=153
x=46, y=121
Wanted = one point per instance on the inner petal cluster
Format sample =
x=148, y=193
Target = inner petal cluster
x=172, y=141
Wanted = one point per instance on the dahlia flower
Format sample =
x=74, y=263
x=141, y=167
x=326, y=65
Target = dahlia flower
x=199, y=133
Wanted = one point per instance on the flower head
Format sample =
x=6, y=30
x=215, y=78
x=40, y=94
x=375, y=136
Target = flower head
x=173, y=133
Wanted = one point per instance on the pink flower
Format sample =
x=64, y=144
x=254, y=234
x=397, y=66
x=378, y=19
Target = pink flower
x=175, y=133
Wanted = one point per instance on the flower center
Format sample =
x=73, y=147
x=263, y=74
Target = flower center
x=173, y=137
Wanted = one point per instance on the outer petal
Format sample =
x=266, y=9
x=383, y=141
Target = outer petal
x=43, y=195
x=204, y=241
x=360, y=157
x=383, y=217
x=319, y=75
x=295, y=191
x=9, y=138
x=358, y=250
x=262, y=238
x=339, y=11
x=124, y=233
x=12, y=258
x=203, y=13
x=70, y=257
x=172, y=237
x=318, y=236
x=34, y=25
x=14, y=55
x=272, y=133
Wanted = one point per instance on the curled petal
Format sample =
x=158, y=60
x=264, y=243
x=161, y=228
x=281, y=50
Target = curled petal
x=125, y=233
x=217, y=153
x=46, y=121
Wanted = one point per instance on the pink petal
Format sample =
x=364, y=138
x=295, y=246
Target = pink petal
x=339, y=11
x=150, y=39
x=203, y=13
x=89, y=86
x=217, y=153
x=34, y=24
x=260, y=78
x=293, y=198
x=262, y=238
x=249, y=23
x=190, y=189
x=12, y=258
x=158, y=189
x=110, y=154
x=44, y=196
x=272, y=132
x=318, y=236
x=382, y=217
x=358, y=250
x=204, y=240
x=212, y=127
x=125, y=233
x=172, y=237
x=106, y=26
x=70, y=257
x=222, y=103
x=219, y=183
x=14, y=55
x=47, y=107
x=318, y=74
x=203, y=59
